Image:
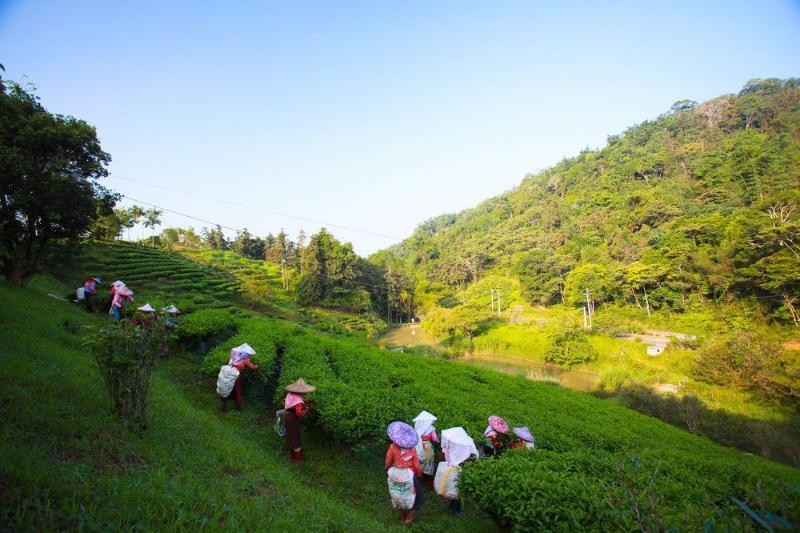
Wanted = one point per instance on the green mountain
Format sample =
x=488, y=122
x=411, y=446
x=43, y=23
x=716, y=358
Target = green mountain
x=696, y=206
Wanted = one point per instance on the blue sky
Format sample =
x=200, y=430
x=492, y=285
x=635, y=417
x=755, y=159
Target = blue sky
x=373, y=115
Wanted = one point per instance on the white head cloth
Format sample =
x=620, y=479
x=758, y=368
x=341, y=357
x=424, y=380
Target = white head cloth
x=457, y=446
x=423, y=424
x=245, y=348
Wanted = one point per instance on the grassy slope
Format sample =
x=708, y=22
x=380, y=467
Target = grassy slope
x=65, y=462
x=618, y=360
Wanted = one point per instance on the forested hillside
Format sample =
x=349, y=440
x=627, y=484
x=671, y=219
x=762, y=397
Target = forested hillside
x=698, y=205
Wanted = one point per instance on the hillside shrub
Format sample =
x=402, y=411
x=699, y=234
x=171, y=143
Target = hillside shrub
x=204, y=324
x=126, y=356
x=770, y=438
x=573, y=348
x=750, y=360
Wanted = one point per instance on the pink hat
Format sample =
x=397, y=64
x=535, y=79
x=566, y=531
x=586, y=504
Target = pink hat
x=498, y=424
x=146, y=308
x=523, y=433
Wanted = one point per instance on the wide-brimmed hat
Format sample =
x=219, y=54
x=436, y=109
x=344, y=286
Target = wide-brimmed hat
x=97, y=280
x=498, y=424
x=300, y=387
x=146, y=308
x=523, y=433
x=118, y=284
x=171, y=309
x=402, y=434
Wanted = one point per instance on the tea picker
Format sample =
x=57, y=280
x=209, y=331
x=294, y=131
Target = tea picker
x=404, y=471
x=423, y=425
x=229, y=380
x=457, y=447
x=121, y=296
x=85, y=292
x=295, y=408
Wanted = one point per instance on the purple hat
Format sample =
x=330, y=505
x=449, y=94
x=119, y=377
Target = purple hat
x=402, y=434
x=523, y=433
x=498, y=424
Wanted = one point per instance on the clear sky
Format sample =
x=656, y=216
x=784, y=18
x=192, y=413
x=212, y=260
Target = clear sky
x=373, y=115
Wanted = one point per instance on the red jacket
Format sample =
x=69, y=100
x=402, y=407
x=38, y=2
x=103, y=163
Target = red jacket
x=403, y=459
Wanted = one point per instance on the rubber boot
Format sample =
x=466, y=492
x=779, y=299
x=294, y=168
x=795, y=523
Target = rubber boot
x=298, y=457
x=291, y=454
x=412, y=514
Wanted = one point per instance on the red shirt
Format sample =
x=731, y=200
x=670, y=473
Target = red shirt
x=400, y=458
x=300, y=410
x=246, y=363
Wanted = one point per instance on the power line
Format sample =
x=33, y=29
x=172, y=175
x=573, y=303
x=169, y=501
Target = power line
x=259, y=209
x=204, y=221
x=383, y=287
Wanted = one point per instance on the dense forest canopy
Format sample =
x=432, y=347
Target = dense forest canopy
x=700, y=203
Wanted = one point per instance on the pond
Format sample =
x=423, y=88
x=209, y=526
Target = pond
x=579, y=380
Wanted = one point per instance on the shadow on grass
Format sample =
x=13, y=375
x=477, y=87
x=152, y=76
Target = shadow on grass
x=776, y=440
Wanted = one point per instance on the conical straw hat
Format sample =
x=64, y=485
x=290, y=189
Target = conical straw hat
x=300, y=387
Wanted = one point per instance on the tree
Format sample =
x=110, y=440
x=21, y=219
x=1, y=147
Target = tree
x=593, y=276
x=152, y=218
x=466, y=321
x=215, y=238
x=49, y=165
x=248, y=245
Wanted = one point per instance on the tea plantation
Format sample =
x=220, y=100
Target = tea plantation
x=152, y=274
x=597, y=465
x=66, y=463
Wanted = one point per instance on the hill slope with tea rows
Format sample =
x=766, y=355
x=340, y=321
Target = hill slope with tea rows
x=597, y=465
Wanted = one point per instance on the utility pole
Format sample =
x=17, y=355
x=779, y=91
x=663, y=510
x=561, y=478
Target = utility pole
x=499, y=303
x=589, y=310
x=491, y=291
x=388, y=309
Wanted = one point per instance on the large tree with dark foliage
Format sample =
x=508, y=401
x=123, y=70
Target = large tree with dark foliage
x=49, y=165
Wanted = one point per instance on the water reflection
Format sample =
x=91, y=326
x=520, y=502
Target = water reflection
x=579, y=380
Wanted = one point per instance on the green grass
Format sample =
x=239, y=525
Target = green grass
x=195, y=467
x=67, y=463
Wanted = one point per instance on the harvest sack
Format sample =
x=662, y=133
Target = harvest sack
x=401, y=488
x=280, y=422
x=426, y=458
x=446, y=481
x=226, y=380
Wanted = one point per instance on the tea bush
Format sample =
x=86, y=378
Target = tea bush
x=263, y=336
x=205, y=323
x=574, y=476
x=126, y=356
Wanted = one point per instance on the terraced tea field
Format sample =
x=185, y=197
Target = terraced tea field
x=259, y=278
x=154, y=275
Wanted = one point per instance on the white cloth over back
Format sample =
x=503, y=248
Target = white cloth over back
x=457, y=446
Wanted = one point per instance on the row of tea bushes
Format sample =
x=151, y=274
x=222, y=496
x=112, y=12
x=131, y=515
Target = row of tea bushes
x=585, y=445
